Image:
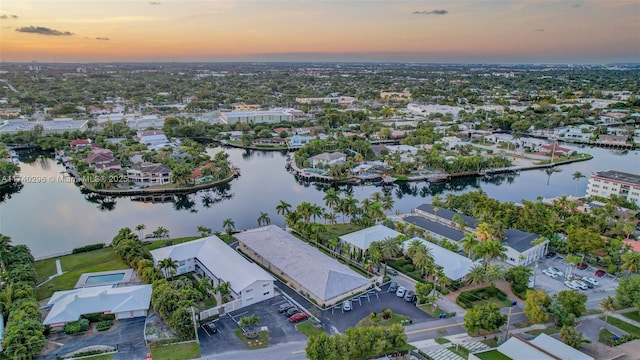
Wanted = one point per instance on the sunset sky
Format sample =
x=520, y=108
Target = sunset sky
x=528, y=31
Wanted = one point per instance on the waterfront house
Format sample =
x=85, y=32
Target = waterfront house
x=556, y=150
x=103, y=160
x=298, y=141
x=328, y=159
x=270, y=141
x=149, y=174
x=212, y=258
x=152, y=137
x=361, y=240
x=80, y=144
x=454, y=265
x=613, y=140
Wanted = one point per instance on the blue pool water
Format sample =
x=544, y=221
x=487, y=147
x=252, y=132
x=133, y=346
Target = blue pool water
x=108, y=278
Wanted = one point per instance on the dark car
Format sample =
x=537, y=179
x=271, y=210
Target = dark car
x=582, y=266
x=210, y=327
x=392, y=271
x=599, y=273
x=292, y=311
x=393, y=287
x=298, y=317
x=550, y=255
x=284, y=307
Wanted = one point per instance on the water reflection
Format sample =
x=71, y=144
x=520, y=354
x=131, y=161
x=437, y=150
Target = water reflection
x=9, y=190
x=105, y=203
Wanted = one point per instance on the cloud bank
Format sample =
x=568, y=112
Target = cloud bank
x=41, y=30
x=432, y=12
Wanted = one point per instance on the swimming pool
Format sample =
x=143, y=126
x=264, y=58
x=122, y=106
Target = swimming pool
x=102, y=279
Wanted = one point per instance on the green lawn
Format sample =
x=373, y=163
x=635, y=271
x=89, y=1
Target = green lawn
x=73, y=266
x=633, y=315
x=262, y=341
x=176, y=352
x=492, y=355
x=481, y=297
x=428, y=308
x=395, y=319
x=464, y=353
x=548, y=331
x=606, y=337
x=308, y=329
x=623, y=325
x=345, y=228
x=442, y=340
x=156, y=244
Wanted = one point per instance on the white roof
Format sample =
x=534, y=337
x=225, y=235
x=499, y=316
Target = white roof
x=454, y=265
x=516, y=348
x=69, y=305
x=362, y=239
x=222, y=260
x=558, y=348
x=317, y=272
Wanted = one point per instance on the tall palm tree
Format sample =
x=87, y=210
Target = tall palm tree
x=292, y=218
x=607, y=305
x=390, y=248
x=223, y=289
x=264, y=219
x=577, y=176
x=162, y=232
x=415, y=245
x=387, y=202
x=331, y=199
x=484, y=232
x=229, y=225
x=469, y=242
x=476, y=275
x=377, y=197
x=140, y=228
x=204, y=231
x=316, y=211
x=168, y=266
x=489, y=250
x=283, y=208
x=350, y=205
x=304, y=209
x=630, y=261
x=494, y=273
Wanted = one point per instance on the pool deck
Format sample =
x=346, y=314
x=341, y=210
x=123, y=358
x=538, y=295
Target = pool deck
x=82, y=281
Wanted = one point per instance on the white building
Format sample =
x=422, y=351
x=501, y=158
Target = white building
x=542, y=347
x=454, y=266
x=213, y=258
x=253, y=117
x=328, y=159
x=58, y=126
x=340, y=100
x=362, y=239
x=124, y=302
x=611, y=182
x=149, y=174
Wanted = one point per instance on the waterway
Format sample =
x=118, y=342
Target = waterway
x=55, y=216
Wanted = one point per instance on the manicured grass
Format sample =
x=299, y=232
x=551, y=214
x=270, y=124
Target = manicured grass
x=262, y=341
x=464, y=353
x=633, y=315
x=491, y=342
x=606, y=337
x=74, y=265
x=492, y=355
x=227, y=238
x=477, y=297
x=395, y=319
x=308, y=329
x=623, y=325
x=176, y=352
x=442, y=340
x=428, y=308
x=344, y=228
x=156, y=244
x=208, y=303
x=548, y=331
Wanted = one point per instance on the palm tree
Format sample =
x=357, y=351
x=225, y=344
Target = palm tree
x=331, y=199
x=607, y=305
x=494, y=273
x=333, y=243
x=140, y=228
x=283, y=208
x=630, y=261
x=577, y=176
x=5, y=246
x=469, y=242
x=476, y=276
x=316, y=211
x=415, y=245
x=304, y=209
x=292, y=218
x=489, y=250
x=223, y=289
x=162, y=232
x=204, y=231
x=387, y=202
x=264, y=218
x=168, y=266
x=390, y=248
x=204, y=285
x=229, y=225
x=350, y=205
x=484, y=232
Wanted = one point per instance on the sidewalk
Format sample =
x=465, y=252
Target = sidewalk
x=617, y=315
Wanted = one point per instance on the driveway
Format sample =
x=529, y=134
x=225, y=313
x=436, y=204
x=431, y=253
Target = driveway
x=128, y=337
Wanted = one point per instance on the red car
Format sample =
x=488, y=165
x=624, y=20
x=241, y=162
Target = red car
x=582, y=266
x=599, y=273
x=298, y=317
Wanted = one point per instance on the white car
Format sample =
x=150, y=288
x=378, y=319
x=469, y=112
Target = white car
x=593, y=281
x=555, y=271
x=580, y=284
x=400, y=292
x=549, y=273
x=346, y=306
x=571, y=285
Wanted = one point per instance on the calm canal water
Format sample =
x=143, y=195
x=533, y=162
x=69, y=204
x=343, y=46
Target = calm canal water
x=55, y=217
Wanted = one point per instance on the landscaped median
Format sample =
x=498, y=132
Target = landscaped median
x=178, y=351
x=259, y=342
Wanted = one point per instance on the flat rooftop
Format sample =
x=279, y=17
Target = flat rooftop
x=618, y=176
x=25, y=125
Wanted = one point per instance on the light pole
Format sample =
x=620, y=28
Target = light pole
x=195, y=327
x=506, y=336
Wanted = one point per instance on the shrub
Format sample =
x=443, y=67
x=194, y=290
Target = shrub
x=96, y=317
x=76, y=327
x=484, y=296
x=87, y=248
x=491, y=291
x=104, y=325
x=373, y=315
x=409, y=268
x=386, y=313
x=501, y=296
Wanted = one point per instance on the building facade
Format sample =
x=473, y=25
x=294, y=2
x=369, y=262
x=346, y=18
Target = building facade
x=611, y=182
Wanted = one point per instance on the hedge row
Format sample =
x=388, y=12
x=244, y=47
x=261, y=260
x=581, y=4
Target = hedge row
x=87, y=248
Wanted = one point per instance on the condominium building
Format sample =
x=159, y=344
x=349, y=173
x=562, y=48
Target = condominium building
x=611, y=182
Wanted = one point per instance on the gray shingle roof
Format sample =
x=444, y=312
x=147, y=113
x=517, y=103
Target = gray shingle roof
x=434, y=227
x=362, y=239
x=324, y=276
x=447, y=214
x=519, y=240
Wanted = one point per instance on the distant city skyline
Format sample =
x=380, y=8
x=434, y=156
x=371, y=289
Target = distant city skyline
x=478, y=31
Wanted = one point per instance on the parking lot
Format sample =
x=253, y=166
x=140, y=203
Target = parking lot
x=373, y=301
x=553, y=286
x=280, y=329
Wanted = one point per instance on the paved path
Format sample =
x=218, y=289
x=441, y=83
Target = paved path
x=624, y=318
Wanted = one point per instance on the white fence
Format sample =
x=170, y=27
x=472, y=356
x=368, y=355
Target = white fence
x=221, y=309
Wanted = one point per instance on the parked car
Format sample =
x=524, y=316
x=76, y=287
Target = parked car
x=392, y=271
x=400, y=292
x=210, y=327
x=581, y=285
x=284, y=307
x=582, y=266
x=293, y=310
x=298, y=317
x=571, y=285
x=550, y=255
x=591, y=281
x=599, y=273
x=555, y=271
x=549, y=273
x=346, y=306
x=409, y=296
x=393, y=287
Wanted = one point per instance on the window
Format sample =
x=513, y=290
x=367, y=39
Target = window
x=249, y=299
x=181, y=263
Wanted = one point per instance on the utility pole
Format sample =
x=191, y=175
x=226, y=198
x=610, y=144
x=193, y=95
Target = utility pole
x=506, y=336
x=195, y=327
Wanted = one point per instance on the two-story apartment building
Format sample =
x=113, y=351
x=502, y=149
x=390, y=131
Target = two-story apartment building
x=149, y=174
x=611, y=182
